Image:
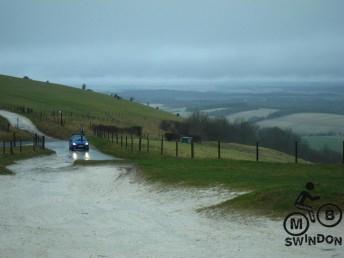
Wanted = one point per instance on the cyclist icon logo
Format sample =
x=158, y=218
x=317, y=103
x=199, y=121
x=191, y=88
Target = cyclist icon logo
x=297, y=223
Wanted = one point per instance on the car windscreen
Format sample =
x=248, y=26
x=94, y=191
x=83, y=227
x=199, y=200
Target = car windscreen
x=79, y=138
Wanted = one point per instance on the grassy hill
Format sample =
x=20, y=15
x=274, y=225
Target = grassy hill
x=79, y=107
x=82, y=107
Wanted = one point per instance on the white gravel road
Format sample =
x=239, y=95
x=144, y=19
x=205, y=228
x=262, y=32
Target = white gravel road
x=51, y=208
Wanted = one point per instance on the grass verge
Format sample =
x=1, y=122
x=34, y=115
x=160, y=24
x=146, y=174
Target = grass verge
x=27, y=152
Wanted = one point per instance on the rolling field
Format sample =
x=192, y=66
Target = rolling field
x=250, y=114
x=308, y=123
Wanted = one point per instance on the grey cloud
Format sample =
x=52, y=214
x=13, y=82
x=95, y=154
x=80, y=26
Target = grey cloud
x=172, y=43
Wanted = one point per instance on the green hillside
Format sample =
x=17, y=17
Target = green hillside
x=79, y=107
x=82, y=107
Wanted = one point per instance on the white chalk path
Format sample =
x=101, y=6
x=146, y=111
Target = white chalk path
x=53, y=209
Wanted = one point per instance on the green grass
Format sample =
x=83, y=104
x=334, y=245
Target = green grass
x=308, y=123
x=273, y=186
x=27, y=152
x=79, y=107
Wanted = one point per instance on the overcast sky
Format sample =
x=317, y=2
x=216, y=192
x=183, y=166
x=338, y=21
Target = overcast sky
x=173, y=43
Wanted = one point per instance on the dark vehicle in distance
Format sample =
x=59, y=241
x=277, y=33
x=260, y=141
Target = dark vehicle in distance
x=78, y=142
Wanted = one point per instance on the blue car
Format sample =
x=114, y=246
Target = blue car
x=78, y=142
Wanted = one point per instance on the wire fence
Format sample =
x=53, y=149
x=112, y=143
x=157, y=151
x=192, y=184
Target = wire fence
x=16, y=145
x=132, y=139
x=215, y=150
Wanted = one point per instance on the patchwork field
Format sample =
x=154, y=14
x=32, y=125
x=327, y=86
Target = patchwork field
x=177, y=110
x=308, y=123
x=250, y=114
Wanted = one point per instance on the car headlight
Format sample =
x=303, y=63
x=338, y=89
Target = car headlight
x=86, y=143
x=74, y=143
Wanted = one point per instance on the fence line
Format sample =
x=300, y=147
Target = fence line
x=10, y=146
x=123, y=141
x=138, y=143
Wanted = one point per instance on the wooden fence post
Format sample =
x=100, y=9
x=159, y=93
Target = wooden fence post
x=11, y=147
x=132, y=143
x=140, y=143
x=116, y=138
x=218, y=149
x=296, y=152
x=61, y=118
x=162, y=146
x=147, y=143
x=192, y=149
x=43, y=142
x=126, y=141
x=14, y=139
x=121, y=141
x=177, y=148
x=257, y=151
x=112, y=137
